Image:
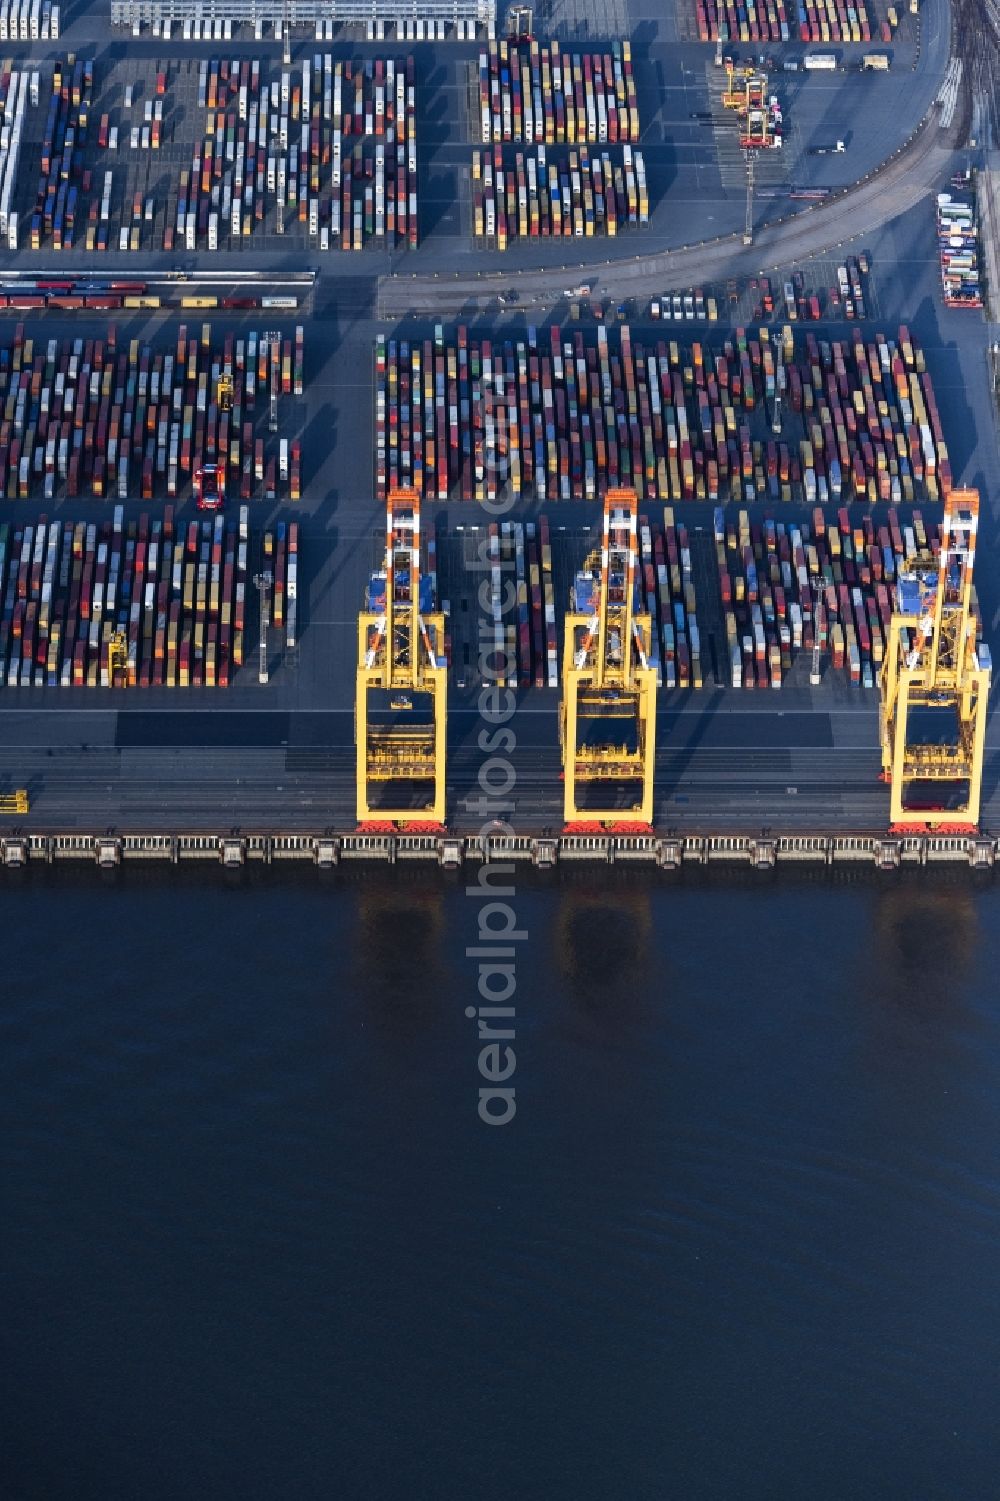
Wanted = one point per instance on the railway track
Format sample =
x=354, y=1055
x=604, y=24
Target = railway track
x=976, y=33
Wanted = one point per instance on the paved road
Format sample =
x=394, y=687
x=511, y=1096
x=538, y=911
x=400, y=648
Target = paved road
x=739, y=770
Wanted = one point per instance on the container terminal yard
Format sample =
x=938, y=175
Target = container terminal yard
x=679, y=425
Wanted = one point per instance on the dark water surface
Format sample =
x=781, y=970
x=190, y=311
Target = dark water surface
x=742, y=1239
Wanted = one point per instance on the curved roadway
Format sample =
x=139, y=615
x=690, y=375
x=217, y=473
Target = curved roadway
x=901, y=182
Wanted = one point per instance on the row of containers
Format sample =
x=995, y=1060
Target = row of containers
x=29, y=21
x=667, y=591
x=280, y=559
x=958, y=251
x=81, y=416
x=535, y=92
x=330, y=145
x=774, y=21
x=792, y=300
x=62, y=158
x=818, y=587
x=17, y=89
x=562, y=415
x=221, y=28
x=523, y=637
x=147, y=604
x=534, y=196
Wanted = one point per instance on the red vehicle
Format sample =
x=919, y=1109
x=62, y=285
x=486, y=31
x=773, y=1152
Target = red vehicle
x=209, y=487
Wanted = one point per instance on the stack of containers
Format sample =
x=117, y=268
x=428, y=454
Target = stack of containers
x=62, y=155
x=335, y=143
x=548, y=605
x=778, y=21
x=177, y=595
x=559, y=416
x=668, y=594
x=522, y=638
x=583, y=195
x=537, y=94
x=281, y=559
x=530, y=92
x=81, y=417
x=29, y=21
x=958, y=251
x=786, y=587
x=16, y=88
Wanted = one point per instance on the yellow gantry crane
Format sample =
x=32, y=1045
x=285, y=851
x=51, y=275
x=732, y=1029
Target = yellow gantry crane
x=117, y=659
x=746, y=93
x=736, y=94
x=15, y=802
x=935, y=683
x=607, y=722
x=401, y=702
